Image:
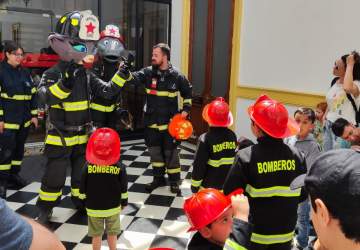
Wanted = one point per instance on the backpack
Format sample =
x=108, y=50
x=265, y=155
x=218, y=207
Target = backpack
x=357, y=111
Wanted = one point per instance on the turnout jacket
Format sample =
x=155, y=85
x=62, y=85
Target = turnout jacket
x=104, y=189
x=214, y=156
x=265, y=171
x=162, y=88
x=102, y=107
x=238, y=239
x=17, y=97
x=68, y=109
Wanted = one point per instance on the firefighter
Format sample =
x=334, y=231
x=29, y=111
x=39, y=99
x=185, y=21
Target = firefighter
x=265, y=171
x=17, y=112
x=110, y=48
x=216, y=149
x=66, y=90
x=162, y=84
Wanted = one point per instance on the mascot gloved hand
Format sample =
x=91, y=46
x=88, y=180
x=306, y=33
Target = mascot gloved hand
x=70, y=72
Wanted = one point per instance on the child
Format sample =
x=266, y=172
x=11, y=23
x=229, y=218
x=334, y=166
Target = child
x=211, y=213
x=216, y=148
x=104, y=186
x=319, y=122
x=265, y=171
x=306, y=143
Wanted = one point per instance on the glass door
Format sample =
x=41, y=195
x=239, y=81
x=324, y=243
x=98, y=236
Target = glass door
x=143, y=23
x=156, y=27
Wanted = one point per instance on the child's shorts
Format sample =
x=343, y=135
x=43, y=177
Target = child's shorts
x=96, y=225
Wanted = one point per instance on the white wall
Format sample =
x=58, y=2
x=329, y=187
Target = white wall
x=242, y=122
x=292, y=45
x=176, y=32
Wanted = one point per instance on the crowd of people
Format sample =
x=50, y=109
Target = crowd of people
x=246, y=195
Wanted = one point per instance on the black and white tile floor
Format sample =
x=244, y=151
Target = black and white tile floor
x=150, y=220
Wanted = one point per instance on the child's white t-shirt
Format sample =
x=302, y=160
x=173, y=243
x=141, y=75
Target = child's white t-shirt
x=339, y=105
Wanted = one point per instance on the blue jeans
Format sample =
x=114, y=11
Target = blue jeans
x=303, y=223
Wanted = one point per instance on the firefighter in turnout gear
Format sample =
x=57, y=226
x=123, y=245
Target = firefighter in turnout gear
x=104, y=186
x=163, y=83
x=66, y=89
x=216, y=149
x=17, y=111
x=110, y=48
x=265, y=171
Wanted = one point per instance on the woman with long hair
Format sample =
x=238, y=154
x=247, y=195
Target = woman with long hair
x=17, y=112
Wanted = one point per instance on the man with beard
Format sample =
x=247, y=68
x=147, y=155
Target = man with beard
x=163, y=83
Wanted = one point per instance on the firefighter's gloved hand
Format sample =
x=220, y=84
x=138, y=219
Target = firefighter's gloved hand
x=194, y=189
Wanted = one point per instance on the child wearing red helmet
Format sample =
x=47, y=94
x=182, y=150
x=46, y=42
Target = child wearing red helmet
x=221, y=221
x=265, y=171
x=216, y=148
x=104, y=186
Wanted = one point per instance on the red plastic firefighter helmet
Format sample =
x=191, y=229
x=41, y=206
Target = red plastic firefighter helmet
x=103, y=147
x=272, y=117
x=217, y=113
x=180, y=128
x=206, y=206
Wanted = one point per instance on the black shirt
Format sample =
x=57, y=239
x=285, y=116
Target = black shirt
x=240, y=235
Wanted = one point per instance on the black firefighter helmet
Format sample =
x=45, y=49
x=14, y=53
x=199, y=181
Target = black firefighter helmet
x=75, y=35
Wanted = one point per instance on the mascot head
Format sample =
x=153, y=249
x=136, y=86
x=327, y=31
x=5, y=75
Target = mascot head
x=111, y=46
x=75, y=35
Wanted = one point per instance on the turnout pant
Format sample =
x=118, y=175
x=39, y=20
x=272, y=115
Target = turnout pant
x=12, y=142
x=164, y=154
x=58, y=160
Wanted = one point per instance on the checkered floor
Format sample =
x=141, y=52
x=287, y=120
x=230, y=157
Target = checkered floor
x=150, y=220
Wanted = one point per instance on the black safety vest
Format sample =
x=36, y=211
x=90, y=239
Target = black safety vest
x=214, y=157
x=105, y=188
x=265, y=171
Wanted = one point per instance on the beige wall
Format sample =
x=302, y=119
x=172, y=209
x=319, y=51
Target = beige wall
x=292, y=45
x=287, y=49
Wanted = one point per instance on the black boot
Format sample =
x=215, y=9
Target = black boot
x=157, y=182
x=16, y=182
x=44, y=216
x=3, y=188
x=174, y=188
